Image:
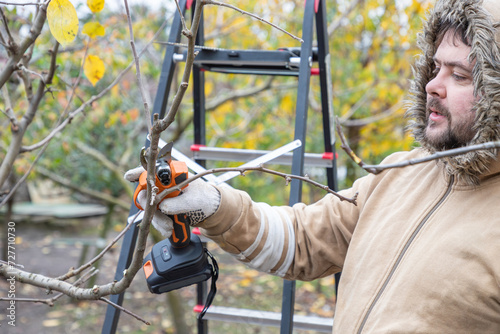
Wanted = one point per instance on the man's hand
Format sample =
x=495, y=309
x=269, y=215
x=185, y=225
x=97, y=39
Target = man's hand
x=198, y=201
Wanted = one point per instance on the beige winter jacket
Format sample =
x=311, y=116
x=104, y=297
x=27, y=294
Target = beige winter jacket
x=420, y=253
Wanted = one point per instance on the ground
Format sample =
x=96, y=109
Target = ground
x=50, y=249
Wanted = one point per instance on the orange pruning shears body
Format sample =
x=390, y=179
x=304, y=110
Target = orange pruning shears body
x=169, y=174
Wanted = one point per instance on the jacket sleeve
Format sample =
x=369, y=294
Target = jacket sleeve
x=303, y=242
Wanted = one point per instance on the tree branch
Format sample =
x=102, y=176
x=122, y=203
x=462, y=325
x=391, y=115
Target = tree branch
x=8, y=110
x=10, y=43
x=376, y=169
x=147, y=114
x=74, y=272
x=124, y=310
x=242, y=170
x=35, y=31
x=101, y=158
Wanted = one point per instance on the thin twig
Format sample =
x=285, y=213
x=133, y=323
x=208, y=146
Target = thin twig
x=183, y=21
x=28, y=71
x=106, y=162
x=77, y=81
x=376, y=169
x=50, y=301
x=101, y=196
x=8, y=109
x=242, y=170
x=77, y=271
x=336, y=23
x=147, y=114
x=376, y=117
x=217, y=3
x=438, y=155
x=24, y=177
x=124, y=310
x=345, y=146
x=7, y=3
x=11, y=42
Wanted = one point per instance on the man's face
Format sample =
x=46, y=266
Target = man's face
x=450, y=96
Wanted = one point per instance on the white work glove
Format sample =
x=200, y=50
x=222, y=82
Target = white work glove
x=198, y=201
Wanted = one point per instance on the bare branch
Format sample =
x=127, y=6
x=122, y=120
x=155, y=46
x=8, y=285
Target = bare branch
x=24, y=177
x=124, y=310
x=78, y=188
x=357, y=105
x=76, y=83
x=50, y=301
x=217, y=3
x=7, y=3
x=28, y=71
x=169, y=118
x=183, y=21
x=345, y=146
x=147, y=114
x=111, y=166
x=438, y=155
x=35, y=31
x=10, y=42
x=374, y=118
x=238, y=94
x=8, y=109
x=376, y=169
x=260, y=168
x=77, y=271
x=334, y=25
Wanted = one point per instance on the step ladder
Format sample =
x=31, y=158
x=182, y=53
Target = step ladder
x=282, y=62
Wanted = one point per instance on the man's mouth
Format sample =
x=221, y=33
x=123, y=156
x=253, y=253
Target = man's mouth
x=435, y=115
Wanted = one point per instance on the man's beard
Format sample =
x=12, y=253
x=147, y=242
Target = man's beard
x=456, y=135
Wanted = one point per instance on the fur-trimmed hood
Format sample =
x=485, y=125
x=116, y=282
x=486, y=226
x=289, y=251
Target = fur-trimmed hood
x=482, y=20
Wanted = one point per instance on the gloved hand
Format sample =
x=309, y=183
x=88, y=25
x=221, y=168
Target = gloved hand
x=198, y=201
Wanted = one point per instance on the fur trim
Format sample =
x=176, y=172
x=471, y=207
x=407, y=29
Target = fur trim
x=482, y=30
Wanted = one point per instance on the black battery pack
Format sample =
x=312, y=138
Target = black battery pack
x=168, y=268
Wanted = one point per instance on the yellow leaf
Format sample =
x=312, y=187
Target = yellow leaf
x=95, y=5
x=63, y=21
x=94, y=69
x=93, y=29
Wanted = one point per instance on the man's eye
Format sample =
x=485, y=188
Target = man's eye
x=459, y=77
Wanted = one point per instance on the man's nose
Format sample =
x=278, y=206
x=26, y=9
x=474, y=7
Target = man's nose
x=436, y=87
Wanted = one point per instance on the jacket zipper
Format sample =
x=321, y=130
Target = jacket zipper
x=403, y=252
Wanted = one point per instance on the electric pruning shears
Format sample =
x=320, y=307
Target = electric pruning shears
x=169, y=173
x=182, y=259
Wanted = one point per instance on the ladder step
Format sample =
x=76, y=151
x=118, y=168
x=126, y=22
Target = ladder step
x=265, y=318
x=283, y=62
x=201, y=152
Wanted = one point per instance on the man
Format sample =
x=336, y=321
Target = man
x=420, y=253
